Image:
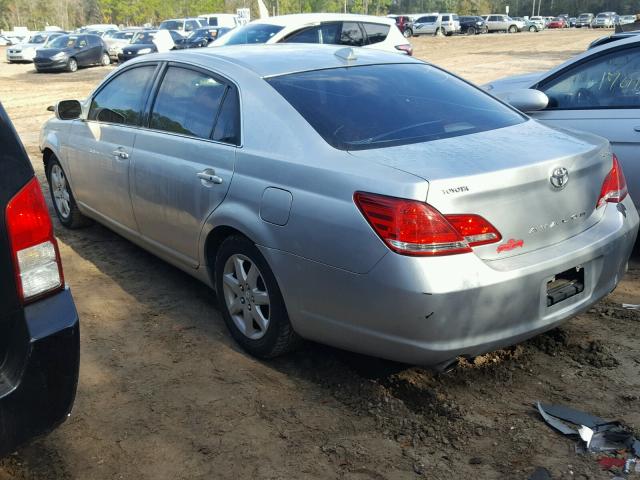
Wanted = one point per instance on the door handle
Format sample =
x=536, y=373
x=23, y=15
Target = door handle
x=637, y=128
x=209, y=176
x=121, y=154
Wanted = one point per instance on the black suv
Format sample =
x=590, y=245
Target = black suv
x=473, y=25
x=39, y=330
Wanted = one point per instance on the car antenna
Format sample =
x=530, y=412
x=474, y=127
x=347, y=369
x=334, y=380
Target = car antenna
x=347, y=53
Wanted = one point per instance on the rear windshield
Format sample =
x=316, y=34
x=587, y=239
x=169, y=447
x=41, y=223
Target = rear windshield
x=374, y=106
x=37, y=39
x=256, y=33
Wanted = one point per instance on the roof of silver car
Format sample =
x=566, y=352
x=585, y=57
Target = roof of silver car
x=279, y=59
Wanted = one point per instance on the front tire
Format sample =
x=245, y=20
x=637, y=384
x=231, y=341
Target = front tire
x=471, y=31
x=72, y=65
x=63, y=201
x=408, y=33
x=250, y=300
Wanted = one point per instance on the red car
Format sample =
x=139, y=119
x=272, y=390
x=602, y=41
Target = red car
x=557, y=23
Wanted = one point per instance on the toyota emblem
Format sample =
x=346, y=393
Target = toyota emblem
x=559, y=178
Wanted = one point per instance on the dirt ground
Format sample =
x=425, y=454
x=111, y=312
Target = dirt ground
x=165, y=393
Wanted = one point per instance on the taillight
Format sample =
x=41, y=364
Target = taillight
x=614, y=187
x=406, y=48
x=33, y=246
x=411, y=227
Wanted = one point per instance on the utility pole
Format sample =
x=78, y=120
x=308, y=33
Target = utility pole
x=533, y=8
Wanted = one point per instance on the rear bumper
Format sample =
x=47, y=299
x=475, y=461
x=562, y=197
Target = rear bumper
x=39, y=377
x=428, y=311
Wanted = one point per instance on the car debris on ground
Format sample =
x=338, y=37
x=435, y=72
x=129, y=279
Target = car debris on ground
x=612, y=439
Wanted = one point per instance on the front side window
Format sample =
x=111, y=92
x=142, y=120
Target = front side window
x=187, y=103
x=377, y=106
x=610, y=81
x=351, y=35
x=122, y=99
x=325, y=33
x=376, y=32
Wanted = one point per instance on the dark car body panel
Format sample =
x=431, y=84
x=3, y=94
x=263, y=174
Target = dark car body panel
x=39, y=343
x=477, y=23
x=132, y=51
x=91, y=54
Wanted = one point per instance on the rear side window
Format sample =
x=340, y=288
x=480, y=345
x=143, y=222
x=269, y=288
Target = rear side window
x=227, y=129
x=445, y=18
x=252, y=33
x=351, y=35
x=122, y=99
x=376, y=106
x=376, y=32
x=213, y=21
x=187, y=103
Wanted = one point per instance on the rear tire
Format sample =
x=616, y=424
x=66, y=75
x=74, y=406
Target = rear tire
x=513, y=29
x=62, y=198
x=72, y=65
x=105, y=60
x=250, y=300
x=533, y=29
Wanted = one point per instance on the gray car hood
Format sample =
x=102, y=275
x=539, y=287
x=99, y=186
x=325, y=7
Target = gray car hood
x=515, y=82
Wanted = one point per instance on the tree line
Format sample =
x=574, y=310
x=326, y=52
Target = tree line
x=69, y=14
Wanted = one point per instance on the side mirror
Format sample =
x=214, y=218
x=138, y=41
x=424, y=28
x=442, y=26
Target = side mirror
x=68, y=110
x=526, y=99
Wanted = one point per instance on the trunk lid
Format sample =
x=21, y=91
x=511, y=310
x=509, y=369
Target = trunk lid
x=505, y=175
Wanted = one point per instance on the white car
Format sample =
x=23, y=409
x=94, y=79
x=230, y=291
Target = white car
x=182, y=25
x=503, y=23
x=437, y=24
x=26, y=51
x=116, y=42
x=328, y=28
x=228, y=20
x=596, y=91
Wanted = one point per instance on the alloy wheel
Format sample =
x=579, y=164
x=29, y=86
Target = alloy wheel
x=246, y=296
x=60, y=191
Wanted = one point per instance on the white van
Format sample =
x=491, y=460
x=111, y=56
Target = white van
x=229, y=20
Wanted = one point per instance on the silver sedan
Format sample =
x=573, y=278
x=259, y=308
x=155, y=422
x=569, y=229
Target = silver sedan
x=597, y=91
x=348, y=196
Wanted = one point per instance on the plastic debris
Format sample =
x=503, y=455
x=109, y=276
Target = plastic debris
x=598, y=434
x=630, y=306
